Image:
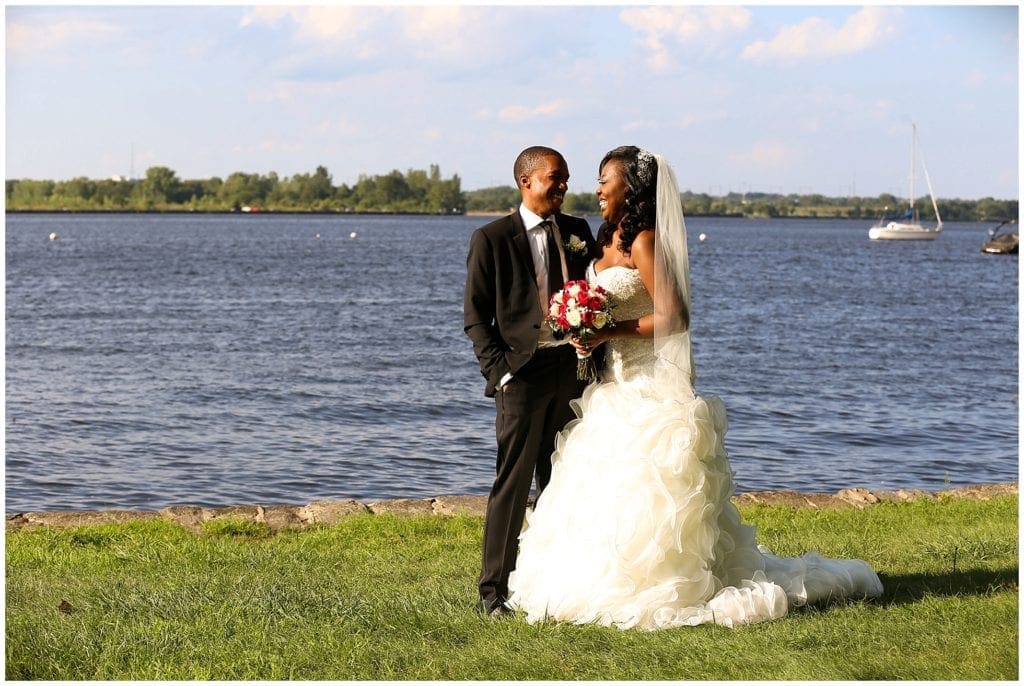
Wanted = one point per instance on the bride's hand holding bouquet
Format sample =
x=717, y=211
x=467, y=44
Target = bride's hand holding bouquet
x=582, y=311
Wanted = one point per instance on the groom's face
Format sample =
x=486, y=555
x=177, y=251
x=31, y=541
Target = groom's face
x=544, y=189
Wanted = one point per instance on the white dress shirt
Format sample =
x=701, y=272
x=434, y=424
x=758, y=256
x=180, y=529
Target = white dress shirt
x=538, y=247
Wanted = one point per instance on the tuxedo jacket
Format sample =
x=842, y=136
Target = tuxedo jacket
x=501, y=308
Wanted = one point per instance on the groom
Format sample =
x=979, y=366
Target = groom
x=515, y=263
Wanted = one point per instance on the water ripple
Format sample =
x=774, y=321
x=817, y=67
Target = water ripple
x=212, y=360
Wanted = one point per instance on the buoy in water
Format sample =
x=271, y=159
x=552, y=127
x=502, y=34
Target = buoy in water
x=353, y=234
x=53, y=236
x=318, y=236
x=703, y=237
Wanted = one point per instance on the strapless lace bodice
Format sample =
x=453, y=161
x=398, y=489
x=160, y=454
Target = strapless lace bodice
x=625, y=358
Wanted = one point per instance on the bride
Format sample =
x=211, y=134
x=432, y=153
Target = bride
x=636, y=527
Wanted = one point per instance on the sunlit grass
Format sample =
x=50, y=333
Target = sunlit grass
x=388, y=598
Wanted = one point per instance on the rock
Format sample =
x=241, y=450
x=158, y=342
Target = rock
x=819, y=501
x=791, y=498
x=188, y=516
x=279, y=517
x=903, y=495
x=66, y=519
x=193, y=517
x=859, y=497
x=236, y=512
x=15, y=522
x=331, y=511
x=402, y=507
x=460, y=504
x=982, y=491
x=749, y=498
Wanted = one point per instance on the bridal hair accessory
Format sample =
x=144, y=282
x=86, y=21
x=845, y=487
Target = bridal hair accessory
x=580, y=310
x=646, y=167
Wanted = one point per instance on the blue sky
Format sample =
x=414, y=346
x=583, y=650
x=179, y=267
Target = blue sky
x=794, y=99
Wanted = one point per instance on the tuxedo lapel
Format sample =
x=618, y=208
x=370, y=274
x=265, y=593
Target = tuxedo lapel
x=521, y=243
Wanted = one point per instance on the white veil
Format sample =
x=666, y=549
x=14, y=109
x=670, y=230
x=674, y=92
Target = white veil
x=675, y=366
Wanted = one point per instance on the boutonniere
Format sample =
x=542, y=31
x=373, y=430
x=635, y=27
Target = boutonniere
x=576, y=245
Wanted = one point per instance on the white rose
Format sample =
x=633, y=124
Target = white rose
x=553, y=311
x=574, y=290
x=573, y=316
x=600, y=320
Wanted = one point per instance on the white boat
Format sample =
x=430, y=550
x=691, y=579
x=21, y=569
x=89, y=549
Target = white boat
x=907, y=226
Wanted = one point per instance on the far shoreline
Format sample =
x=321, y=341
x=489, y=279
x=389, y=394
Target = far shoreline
x=468, y=213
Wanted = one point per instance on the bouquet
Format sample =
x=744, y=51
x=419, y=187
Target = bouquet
x=579, y=310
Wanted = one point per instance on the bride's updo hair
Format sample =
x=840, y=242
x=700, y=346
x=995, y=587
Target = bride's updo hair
x=640, y=171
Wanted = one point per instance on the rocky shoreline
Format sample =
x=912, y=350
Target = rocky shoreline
x=281, y=517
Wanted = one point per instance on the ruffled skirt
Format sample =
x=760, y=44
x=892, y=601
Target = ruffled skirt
x=636, y=528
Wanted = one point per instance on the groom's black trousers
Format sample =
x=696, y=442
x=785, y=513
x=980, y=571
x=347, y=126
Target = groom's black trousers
x=531, y=410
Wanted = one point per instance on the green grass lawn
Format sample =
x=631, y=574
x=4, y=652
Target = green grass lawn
x=381, y=597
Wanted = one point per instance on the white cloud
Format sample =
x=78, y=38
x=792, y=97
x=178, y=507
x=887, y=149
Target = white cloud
x=342, y=28
x=809, y=124
x=431, y=135
x=327, y=23
x=767, y=155
x=521, y=113
x=444, y=32
x=686, y=26
x=339, y=127
x=815, y=38
x=675, y=122
x=267, y=146
x=201, y=50
x=48, y=37
x=295, y=91
x=975, y=78
x=439, y=32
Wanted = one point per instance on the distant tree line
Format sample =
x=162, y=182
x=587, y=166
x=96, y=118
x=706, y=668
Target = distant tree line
x=426, y=192
x=843, y=207
x=502, y=198
x=415, y=191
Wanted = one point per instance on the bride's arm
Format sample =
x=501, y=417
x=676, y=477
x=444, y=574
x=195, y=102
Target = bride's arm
x=642, y=253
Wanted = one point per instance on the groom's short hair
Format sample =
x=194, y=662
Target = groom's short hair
x=531, y=158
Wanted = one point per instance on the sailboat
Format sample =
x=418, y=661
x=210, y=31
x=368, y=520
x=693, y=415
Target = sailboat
x=907, y=226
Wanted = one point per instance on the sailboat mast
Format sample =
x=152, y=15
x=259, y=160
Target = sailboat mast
x=931, y=192
x=913, y=156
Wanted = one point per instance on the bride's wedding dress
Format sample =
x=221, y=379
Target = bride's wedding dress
x=636, y=528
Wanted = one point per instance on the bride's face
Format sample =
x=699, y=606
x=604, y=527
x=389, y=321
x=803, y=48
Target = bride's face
x=611, y=192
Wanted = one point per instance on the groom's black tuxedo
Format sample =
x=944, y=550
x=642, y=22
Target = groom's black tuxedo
x=503, y=317
x=502, y=313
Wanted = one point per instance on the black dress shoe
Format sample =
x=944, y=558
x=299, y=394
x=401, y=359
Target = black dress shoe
x=496, y=609
x=502, y=610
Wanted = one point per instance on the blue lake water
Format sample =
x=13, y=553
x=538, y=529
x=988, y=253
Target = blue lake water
x=154, y=360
